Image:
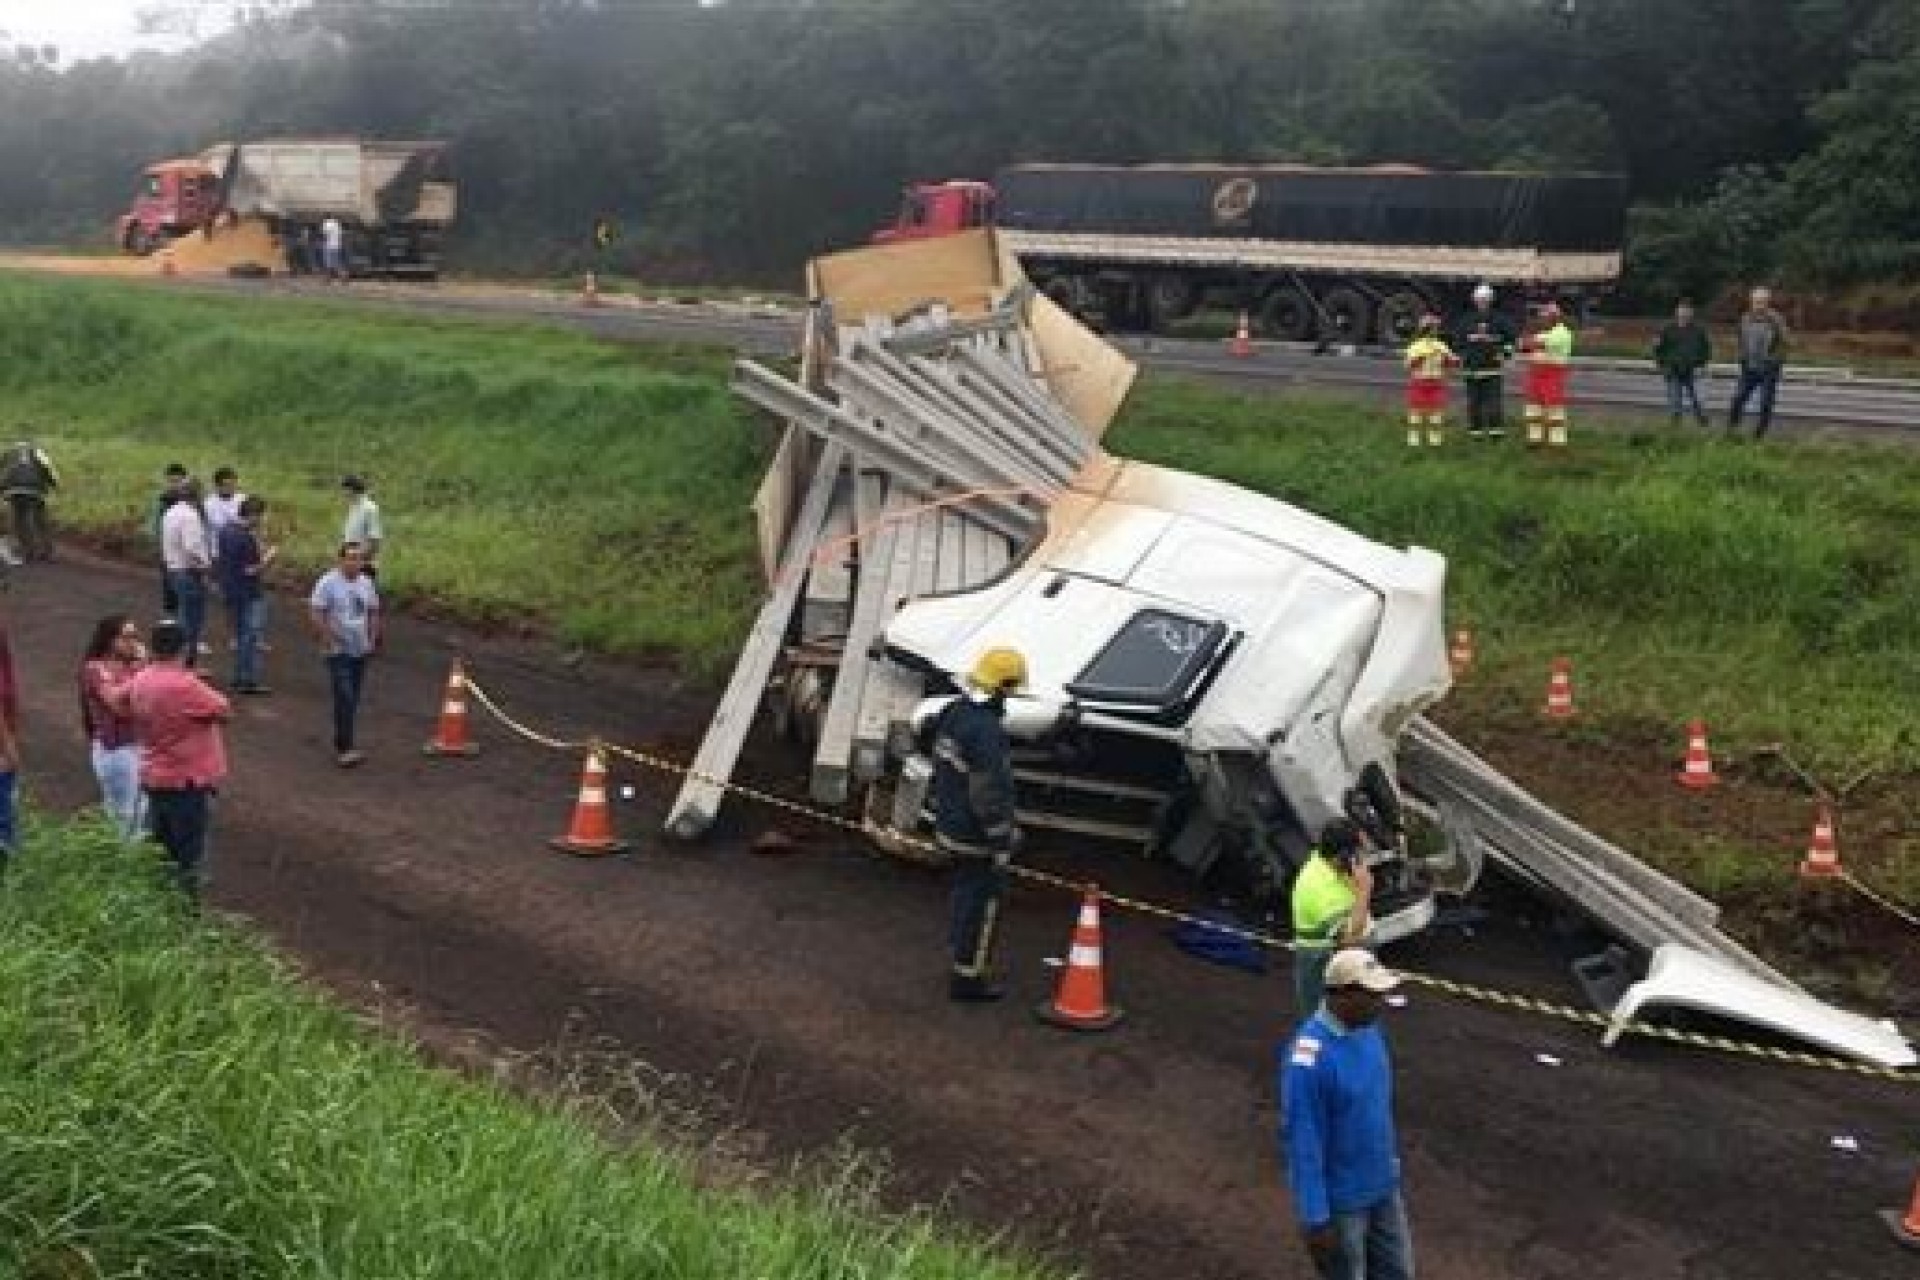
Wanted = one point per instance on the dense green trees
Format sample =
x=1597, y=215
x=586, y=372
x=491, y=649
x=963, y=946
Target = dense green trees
x=733, y=137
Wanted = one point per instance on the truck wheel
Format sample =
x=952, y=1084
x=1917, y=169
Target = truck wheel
x=138, y=243
x=1169, y=298
x=1400, y=316
x=1346, y=316
x=1286, y=314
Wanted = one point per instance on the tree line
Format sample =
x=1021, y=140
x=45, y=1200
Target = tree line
x=730, y=139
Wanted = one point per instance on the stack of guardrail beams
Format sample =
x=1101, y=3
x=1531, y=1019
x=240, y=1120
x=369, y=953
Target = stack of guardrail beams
x=939, y=454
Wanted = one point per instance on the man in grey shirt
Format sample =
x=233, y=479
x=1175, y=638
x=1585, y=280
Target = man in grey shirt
x=1763, y=351
x=363, y=526
x=344, y=616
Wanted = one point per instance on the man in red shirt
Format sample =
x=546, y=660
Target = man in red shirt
x=183, y=759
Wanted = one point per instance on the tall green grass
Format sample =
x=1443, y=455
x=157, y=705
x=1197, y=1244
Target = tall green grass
x=173, y=1105
x=524, y=473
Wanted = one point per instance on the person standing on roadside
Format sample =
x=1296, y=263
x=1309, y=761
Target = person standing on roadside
x=1485, y=342
x=344, y=614
x=28, y=479
x=173, y=484
x=1549, y=365
x=183, y=756
x=9, y=745
x=362, y=526
x=223, y=504
x=1337, y=1133
x=241, y=562
x=1763, y=354
x=188, y=555
x=1330, y=908
x=1681, y=352
x=114, y=656
x=333, y=249
x=1428, y=359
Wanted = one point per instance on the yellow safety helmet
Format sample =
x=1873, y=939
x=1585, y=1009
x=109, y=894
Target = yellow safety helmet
x=998, y=670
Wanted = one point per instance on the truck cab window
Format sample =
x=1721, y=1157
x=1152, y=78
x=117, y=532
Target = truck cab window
x=153, y=186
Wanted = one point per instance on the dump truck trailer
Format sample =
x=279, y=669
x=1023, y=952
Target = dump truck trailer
x=392, y=198
x=1346, y=255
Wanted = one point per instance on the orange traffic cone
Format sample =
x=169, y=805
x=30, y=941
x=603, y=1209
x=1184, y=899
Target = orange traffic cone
x=1242, y=344
x=451, y=737
x=1080, y=1003
x=1823, y=850
x=590, y=291
x=1460, y=657
x=1905, y=1228
x=591, y=832
x=1697, y=774
x=1560, y=690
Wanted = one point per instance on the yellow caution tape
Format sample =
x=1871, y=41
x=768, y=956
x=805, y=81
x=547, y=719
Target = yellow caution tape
x=1447, y=986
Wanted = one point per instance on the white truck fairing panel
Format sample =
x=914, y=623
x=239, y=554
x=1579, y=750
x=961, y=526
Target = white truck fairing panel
x=1686, y=979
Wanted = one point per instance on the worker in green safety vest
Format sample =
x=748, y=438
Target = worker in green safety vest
x=1330, y=908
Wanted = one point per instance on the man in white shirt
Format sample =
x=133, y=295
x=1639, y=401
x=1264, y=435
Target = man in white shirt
x=363, y=527
x=223, y=504
x=188, y=555
x=333, y=248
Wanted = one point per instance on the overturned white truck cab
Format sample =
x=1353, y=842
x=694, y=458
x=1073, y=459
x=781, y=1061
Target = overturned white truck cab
x=1234, y=670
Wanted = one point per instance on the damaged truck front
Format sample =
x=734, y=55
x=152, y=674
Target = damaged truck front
x=1236, y=670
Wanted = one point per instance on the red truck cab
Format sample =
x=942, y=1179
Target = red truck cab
x=175, y=197
x=931, y=209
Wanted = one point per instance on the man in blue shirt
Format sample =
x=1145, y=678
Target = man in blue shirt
x=344, y=615
x=239, y=561
x=1337, y=1136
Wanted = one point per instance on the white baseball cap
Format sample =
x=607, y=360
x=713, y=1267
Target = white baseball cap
x=1483, y=293
x=1356, y=967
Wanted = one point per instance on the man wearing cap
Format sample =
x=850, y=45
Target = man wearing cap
x=362, y=526
x=1337, y=1135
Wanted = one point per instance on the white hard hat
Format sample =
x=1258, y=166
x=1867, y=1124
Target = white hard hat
x=1483, y=293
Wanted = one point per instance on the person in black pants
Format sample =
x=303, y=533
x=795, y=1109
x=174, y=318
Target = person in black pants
x=1484, y=343
x=183, y=757
x=344, y=615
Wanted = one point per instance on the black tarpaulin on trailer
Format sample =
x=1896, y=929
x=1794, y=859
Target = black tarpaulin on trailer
x=1561, y=213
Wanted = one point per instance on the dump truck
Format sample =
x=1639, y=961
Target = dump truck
x=1339, y=255
x=393, y=199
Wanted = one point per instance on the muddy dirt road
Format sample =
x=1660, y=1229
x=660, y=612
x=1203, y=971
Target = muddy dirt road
x=803, y=993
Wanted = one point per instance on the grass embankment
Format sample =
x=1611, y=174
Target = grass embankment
x=522, y=471
x=173, y=1104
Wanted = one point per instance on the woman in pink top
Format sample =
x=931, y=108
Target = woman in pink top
x=113, y=656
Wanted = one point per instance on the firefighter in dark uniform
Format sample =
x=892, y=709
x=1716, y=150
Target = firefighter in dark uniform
x=973, y=814
x=26, y=478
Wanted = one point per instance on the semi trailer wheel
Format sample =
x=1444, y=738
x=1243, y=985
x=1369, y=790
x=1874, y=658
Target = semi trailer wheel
x=1287, y=315
x=1400, y=314
x=1346, y=316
